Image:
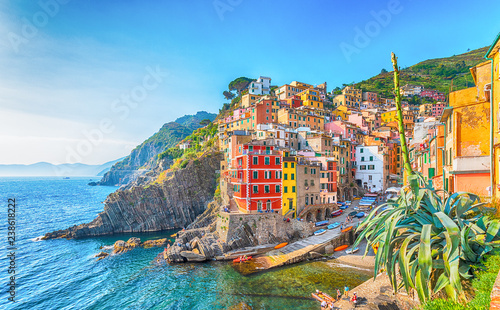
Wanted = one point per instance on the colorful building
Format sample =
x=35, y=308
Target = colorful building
x=289, y=196
x=467, y=136
x=310, y=97
x=255, y=174
x=494, y=93
x=260, y=87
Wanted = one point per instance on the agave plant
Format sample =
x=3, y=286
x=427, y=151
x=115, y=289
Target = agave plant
x=431, y=238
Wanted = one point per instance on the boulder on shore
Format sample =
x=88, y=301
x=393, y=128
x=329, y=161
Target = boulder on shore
x=192, y=256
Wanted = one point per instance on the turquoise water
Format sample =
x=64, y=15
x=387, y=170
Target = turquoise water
x=63, y=274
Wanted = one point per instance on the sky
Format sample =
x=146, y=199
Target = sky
x=87, y=81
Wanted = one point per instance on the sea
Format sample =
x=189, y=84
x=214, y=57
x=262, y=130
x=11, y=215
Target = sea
x=64, y=274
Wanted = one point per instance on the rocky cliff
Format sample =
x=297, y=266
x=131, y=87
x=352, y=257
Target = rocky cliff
x=143, y=158
x=174, y=203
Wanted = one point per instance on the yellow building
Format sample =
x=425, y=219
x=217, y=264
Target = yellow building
x=342, y=112
x=350, y=97
x=289, y=194
x=249, y=100
x=389, y=116
x=310, y=97
x=494, y=92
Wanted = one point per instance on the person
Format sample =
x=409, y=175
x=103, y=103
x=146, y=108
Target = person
x=338, y=294
x=354, y=298
x=346, y=291
x=331, y=306
x=341, y=226
x=323, y=304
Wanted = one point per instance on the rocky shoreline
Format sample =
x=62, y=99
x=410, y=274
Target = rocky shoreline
x=172, y=204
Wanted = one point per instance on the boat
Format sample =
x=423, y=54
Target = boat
x=242, y=259
x=346, y=229
x=337, y=213
x=279, y=246
x=333, y=225
x=360, y=214
x=320, y=296
x=353, y=213
x=350, y=251
x=320, y=232
x=322, y=223
x=341, y=248
x=343, y=207
x=174, y=235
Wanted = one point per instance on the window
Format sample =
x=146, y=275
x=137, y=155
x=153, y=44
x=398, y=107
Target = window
x=277, y=174
x=369, y=178
x=267, y=161
x=293, y=189
x=266, y=189
x=255, y=189
x=305, y=170
x=312, y=182
x=250, y=148
x=362, y=167
x=371, y=167
x=278, y=189
x=362, y=159
x=277, y=160
x=371, y=158
x=255, y=175
x=306, y=183
x=285, y=189
x=286, y=165
x=286, y=176
x=255, y=160
x=313, y=171
x=292, y=176
x=267, y=174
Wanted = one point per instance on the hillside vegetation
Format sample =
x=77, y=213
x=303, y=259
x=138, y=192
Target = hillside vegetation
x=432, y=74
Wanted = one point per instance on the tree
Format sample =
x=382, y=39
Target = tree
x=383, y=71
x=228, y=95
x=432, y=238
x=240, y=84
x=205, y=122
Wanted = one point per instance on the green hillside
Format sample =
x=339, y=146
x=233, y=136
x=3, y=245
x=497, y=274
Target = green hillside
x=432, y=74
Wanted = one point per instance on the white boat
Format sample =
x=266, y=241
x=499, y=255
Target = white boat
x=350, y=251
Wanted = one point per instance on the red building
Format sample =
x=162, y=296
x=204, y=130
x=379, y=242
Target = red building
x=433, y=94
x=370, y=96
x=256, y=178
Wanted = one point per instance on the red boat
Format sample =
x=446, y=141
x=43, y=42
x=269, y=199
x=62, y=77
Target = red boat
x=242, y=259
x=336, y=213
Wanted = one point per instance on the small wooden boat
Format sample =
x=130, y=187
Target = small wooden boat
x=322, y=223
x=279, y=246
x=333, y=225
x=320, y=296
x=242, y=259
x=350, y=251
x=320, y=232
x=341, y=248
x=346, y=229
x=174, y=235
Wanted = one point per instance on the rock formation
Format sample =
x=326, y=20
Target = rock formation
x=175, y=203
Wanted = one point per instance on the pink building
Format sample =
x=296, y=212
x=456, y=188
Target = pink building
x=358, y=120
x=437, y=109
x=346, y=129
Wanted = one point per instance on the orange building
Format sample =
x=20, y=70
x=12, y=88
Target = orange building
x=467, y=135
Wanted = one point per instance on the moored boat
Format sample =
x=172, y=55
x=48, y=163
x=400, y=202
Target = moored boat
x=341, y=248
x=320, y=232
x=320, y=296
x=333, y=225
x=346, y=229
x=279, y=246
x=242, y=259
x=350, y=251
